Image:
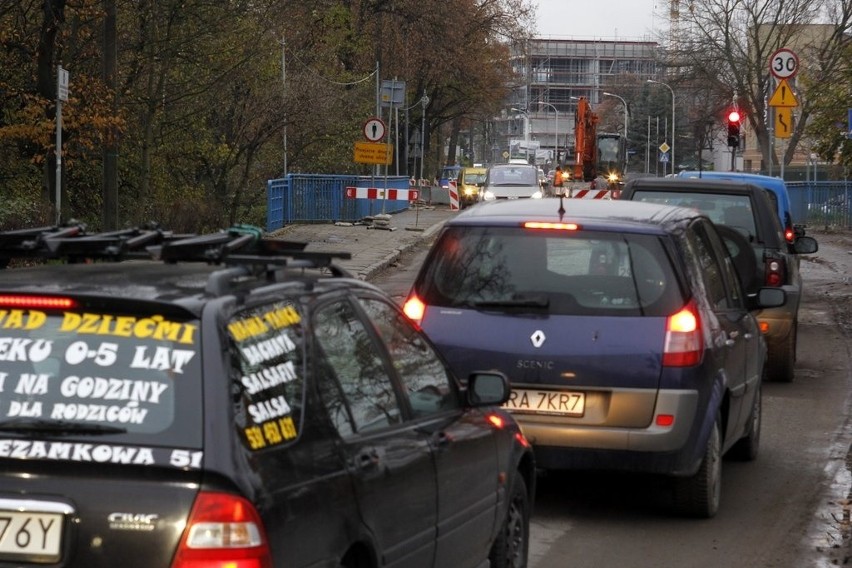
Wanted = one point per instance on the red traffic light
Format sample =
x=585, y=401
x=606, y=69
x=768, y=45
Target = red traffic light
x=734, y=116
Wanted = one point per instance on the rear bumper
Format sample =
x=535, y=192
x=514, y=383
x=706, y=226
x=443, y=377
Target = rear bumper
x=562, y=444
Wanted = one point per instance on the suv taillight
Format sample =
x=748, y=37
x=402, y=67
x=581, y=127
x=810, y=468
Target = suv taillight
x=775, y=271
x=684, y=344
x=223, y=530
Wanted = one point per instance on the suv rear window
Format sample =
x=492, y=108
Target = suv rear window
x=723, y=209
x=139, y=374
x=560, y=272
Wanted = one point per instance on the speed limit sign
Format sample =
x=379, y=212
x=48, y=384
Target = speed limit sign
x=783, y=64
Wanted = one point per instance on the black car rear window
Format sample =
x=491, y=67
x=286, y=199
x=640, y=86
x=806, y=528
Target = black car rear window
x=552, y=271
x=136, y=377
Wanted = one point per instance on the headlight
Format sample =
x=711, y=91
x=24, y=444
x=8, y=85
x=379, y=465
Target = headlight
x=536, y=195
x=470, y=191
x=488, y=196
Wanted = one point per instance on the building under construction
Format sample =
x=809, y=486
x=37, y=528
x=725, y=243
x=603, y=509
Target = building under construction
x=555, y=74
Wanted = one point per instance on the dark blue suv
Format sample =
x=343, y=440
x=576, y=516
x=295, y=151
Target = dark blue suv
x=623, y=328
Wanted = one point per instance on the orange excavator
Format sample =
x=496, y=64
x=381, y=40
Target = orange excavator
x=585, y=141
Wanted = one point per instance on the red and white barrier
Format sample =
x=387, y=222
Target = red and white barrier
x=379, y=193
x=454, y=195
x=591, y=194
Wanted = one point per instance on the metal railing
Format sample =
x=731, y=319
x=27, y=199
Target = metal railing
x=320, y=198
x=821, y=204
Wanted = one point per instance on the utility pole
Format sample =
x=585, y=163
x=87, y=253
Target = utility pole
x=110, y=150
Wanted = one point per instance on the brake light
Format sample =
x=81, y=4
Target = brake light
x=414, y=308
x=551, y=226
x=684, y=343
x=37, y=302
x=789, y=234
x=775, y=272
x=223, y=531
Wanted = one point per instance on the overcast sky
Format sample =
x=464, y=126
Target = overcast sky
x=602, y=19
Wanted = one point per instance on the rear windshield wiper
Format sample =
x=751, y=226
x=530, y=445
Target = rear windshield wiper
x=58, y=426
x=529, y=302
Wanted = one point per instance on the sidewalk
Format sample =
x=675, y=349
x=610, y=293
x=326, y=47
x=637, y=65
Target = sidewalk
x=372, y=246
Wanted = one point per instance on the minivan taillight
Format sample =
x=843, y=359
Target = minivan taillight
x=223, y=531
x=414, y=308
x=775, y=271
x=684, y=344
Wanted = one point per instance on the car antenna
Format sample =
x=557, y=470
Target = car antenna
x=561, y=210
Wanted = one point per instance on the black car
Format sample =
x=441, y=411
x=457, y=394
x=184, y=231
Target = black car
x=746, y=215
x=238, y=402
x=622, y=327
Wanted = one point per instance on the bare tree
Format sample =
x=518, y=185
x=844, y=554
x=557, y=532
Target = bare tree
x=730, y=42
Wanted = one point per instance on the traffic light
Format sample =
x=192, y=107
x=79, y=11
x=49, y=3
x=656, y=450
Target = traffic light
x=734, y=121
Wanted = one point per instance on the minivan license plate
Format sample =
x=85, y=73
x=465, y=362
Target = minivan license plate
x=36, y=536
x=563, y=403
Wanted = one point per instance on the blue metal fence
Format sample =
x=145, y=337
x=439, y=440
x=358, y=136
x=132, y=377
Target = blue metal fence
x=320, y=198
x=821, y=204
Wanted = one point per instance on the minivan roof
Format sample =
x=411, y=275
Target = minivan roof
x=600, y=214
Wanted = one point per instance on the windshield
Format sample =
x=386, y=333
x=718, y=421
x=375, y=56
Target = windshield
x=513, y=175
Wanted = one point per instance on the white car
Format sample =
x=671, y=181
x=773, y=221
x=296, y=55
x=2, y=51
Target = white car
x=511, y=181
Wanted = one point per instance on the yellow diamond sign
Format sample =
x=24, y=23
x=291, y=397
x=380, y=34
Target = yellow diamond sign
x=783, y=96
x=664, y=147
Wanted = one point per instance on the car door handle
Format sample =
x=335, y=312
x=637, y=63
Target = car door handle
x=367, y=458
x=442, y=439
x=731, y=340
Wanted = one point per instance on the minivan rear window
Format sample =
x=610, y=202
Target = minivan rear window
x=555, y=272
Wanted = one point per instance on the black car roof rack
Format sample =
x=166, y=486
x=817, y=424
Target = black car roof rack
x=238, y=245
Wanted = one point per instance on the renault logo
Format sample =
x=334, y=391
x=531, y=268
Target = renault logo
x=538, y=338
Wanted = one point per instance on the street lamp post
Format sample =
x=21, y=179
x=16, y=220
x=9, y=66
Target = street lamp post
x=555, y=127
x=525, y=114
x=673, y=118
x=624, y=103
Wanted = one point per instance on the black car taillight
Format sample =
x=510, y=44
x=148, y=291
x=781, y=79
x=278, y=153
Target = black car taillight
x=223, y=530
x=775, y=271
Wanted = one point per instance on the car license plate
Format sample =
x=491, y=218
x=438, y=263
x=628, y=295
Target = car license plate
x=34, y=536
x=563, y=403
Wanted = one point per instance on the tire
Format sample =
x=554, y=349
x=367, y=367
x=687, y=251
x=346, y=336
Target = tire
x=699, y=495
x=743, y=257
x=747, y=447
x=511, y=547
x=782, y=362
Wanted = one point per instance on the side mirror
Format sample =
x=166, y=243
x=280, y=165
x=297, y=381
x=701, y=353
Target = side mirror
x=805, y=245
x=767, y=297
x=487, y=388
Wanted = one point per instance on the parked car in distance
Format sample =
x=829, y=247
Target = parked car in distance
x=778, y=193
x=238, y=401
x=448, y=173
x=469, y=184
x=749, y=214
x=511, y=181
x=623, y=328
